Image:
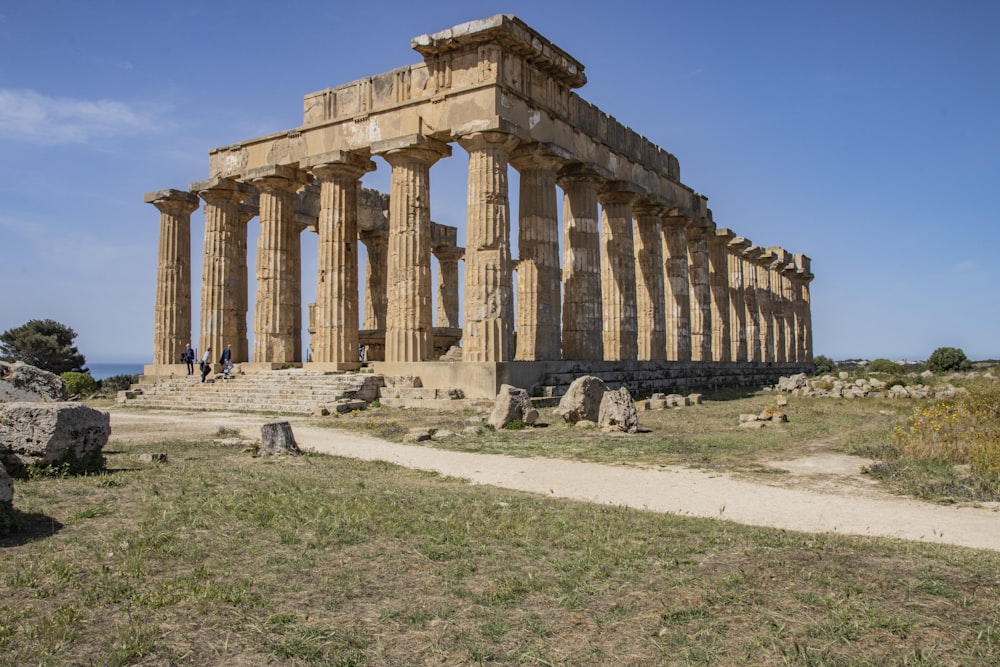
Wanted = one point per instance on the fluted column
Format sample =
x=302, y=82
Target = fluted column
x=737, y=298
x=447, y=289
x=538, y=279
x=336, y=311
x=698, y=232
x=677, y=287
x=650, y=299
x=788, y=284
x=582, y=321
x=241, y=344
x=376, y=300
x=618, y=296
x=777, y=294
x=752, y=290
x=172, y=313
x=409, y=323
x=220, y=274
x=765, y=306
x=718, y=259
x=805, y=277
x=488, y=334
x=278, y=308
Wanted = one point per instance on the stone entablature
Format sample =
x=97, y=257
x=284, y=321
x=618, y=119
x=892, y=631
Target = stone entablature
x=643, y=272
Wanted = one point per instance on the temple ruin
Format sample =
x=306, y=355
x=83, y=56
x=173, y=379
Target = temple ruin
x=637, y=279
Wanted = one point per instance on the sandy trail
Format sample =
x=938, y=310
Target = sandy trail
x=844, y=506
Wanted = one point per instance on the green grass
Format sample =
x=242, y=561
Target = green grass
x=220, y=558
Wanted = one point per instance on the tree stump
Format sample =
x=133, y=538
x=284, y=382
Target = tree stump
x=277, y=438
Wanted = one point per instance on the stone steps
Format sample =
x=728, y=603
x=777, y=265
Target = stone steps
x=293, y=391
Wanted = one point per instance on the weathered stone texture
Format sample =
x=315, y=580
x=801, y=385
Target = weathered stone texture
x=582, y=401
x=51, y=433
x=617, y=412
x=21, y=382
x=512, y=403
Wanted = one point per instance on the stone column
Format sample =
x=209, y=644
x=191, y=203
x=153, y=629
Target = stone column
x=538, y=280
x=737, y=298
x=751, y=294
x=220, y=274
x=698, y=232
x=677, y=287
x=377, y=249
x=777, y=294
x=765, y=305
x=447, y=291
x=805, y=277
x=788, y=285
x=278, y=308
x=651, y=304
x=582, y=320
x=172, y=313
x=618, y=293
x=409, y=332
x=241, y=344
x=335, y=342
x=488, y=334
x=718, y=259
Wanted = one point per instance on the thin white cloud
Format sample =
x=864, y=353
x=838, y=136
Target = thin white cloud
x=29, y=116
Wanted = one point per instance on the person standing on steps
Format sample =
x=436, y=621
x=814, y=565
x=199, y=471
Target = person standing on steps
x=187, y=356
x=227, y=361
x=206, y=364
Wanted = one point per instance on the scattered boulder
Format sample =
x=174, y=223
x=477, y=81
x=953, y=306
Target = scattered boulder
x=617, y=412
x=754, y=425
x=512, y=403
x=23, y=383
x=418, y=434
x=276, y=438
x=582, y=401
x=53, y=434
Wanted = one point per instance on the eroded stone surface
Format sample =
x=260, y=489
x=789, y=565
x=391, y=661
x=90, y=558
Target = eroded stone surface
x=21, y=382
x=617, y=412
x=52, y=433
x=582, y=401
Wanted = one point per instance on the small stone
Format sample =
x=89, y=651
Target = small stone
x=152, y=457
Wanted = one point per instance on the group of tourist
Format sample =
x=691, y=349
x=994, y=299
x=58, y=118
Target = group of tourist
x=226, y=360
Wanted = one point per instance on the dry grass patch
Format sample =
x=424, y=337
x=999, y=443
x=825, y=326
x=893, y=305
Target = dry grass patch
x=219, y=558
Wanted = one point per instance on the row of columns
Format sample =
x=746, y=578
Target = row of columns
x=642, y=282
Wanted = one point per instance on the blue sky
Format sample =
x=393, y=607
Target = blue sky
x=864, y=134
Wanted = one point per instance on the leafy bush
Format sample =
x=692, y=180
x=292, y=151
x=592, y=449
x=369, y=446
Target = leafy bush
x=946, y=359
x=965, y=430
x=885, y=366
x=44, y=344
x=824, y=365
x=79, y=384
x=109, y=386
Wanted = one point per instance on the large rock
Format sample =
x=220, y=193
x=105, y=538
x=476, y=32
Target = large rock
x=21, y=382
x=512, y=403
x=582, y=401
x=53, y=433
x=617, y=412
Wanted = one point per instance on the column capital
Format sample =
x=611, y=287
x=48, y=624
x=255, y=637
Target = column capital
x=739, y=244
x=579, y=172
x=618, y=192
x=648, y=207
x=496, y=139
x=338, y=163
x=172, y=201
x=539, y=156
x=724, y=234
x=754, y=253
x=417, y=147
x=444, y=253
x=276, y=177
x=220, y=188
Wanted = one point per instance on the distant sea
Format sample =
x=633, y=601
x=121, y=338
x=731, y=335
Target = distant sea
x=101, y=371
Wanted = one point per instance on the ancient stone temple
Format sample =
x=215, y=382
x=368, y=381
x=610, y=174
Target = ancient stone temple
x=636, y=276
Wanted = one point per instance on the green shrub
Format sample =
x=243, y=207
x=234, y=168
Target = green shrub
x=79, y=384
x=824, y=365
x=117, y=383
x=885, y=366
x=945, y=359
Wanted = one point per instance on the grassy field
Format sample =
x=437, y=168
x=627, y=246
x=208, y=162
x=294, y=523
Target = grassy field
x=219, y=558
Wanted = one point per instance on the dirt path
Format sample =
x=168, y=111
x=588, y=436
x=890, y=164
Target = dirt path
x=825, y=493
